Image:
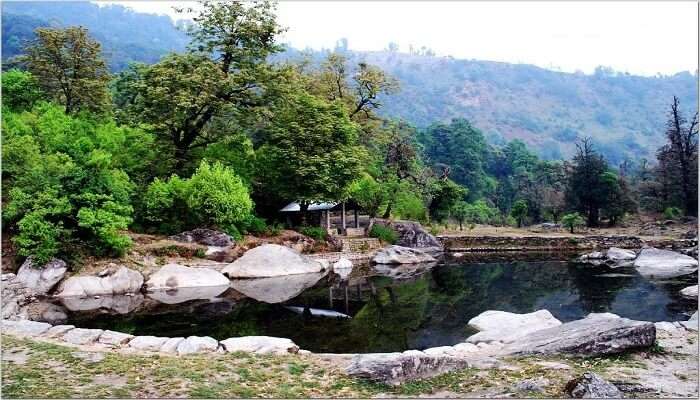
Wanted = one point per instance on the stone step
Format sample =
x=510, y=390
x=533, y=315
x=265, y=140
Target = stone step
x=359, y=244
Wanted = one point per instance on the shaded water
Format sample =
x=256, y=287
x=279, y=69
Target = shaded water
x=420, y=310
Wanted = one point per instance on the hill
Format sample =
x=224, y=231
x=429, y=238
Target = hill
x=624, y=114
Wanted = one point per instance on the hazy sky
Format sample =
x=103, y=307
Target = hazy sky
x=640, y=37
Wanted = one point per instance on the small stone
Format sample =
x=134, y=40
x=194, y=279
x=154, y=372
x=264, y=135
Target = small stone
x=532, y=385
x=197, y=344
x=147, y=343
x=58, y=330
x=260, y=345
x=115, y=339
x=82, y=336
x=25, y=327
x=590, y=385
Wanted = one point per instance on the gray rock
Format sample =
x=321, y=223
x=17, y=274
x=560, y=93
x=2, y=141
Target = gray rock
x=276, y=289
x=395, y=368
x=174, y=276
x=116, y=339
x=82, y=336
x=592, y=386
x=412, y=234
x=58, y=331
x=113, y=281
x=401, y=255
x=616, y=254
x=532, y=385
x=44, y=311
x=656, y=263
x=170, y=345
x=507, y=327
x=403, y=271
x=25, y=327
x=121, y=304
x=690, y=293
x=197, y=344
x=147, y=343
x=260, y=345
x=692, y=323
x=272, y=260
x=207, y=237
x=40, y=279
x=587, y=337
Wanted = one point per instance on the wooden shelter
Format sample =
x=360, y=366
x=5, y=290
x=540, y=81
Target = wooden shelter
x=321, y=214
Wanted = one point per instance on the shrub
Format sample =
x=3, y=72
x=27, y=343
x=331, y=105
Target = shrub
x=409, y=206
x=519, y=211
x=672, y=213
x=384, y=233
x=275, y=229
x=314, y=232
x=572, y=221
x=256, y=226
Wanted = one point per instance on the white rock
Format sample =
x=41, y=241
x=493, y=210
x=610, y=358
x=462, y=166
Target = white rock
x=120, y=304
x=197, y=344
x=118, y=280
x=401, y=255
x=276, y=289
x=40, y=279
x=147, y=343
x=605, y=315
x=170, y=345
x=506, y=327
x=666, y=326
x=655, y=263
x=174, y=276
x=618, y=254
x=82, y=335
x=260, y=345
x=25, y=327
x=113, y=338
x=271, y=260
x=692, y=323
x=58, y=330
x=342, y=263
x=691, y=292
x=440, y=351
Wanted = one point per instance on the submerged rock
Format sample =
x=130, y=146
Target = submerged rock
x=175, y=276
x=656, y=263
x=260, y=345
x=592, y=386
x=593, y=336
x=691, y=292
x=113, y=281
x=506, y=327
x=40, y=279
x=395, y=368
x=402, y=255
x=276, y=289
x=272, y=260
x=207, y=237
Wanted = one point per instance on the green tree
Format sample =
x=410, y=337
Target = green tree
x=519, y=211
x=20, y=90
x=460, y=212
x=69, y=67
x=445, y=195
x=572, y=221
x=586, y=191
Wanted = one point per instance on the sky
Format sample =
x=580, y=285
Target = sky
x=639, y=37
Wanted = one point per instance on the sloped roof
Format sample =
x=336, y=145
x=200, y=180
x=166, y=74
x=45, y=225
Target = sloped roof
x=294, y=207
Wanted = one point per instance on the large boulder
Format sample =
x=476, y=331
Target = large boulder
x=506, y=327
x=175, y=276
x=412, y=234
x=260, y=345
x=276, y=289
x=114, y=280
x=401, y=255
x=25, y=327
x=207, y=237
x=395, y=368
x=592, y=336
x=656, y=263
x=690, y=293
x=40, y=279
x=82, y=336
x=197, y=344
x=614, y=257
x=592, y=386
x=271, y=260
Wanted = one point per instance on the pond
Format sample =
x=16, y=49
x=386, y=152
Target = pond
x=388, y=309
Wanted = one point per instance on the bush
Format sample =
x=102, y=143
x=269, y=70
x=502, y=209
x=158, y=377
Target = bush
x=409, y=206
x=672, y=213
x=314, y=232
x=572, y=221
x=384, y=233
x=256, y=226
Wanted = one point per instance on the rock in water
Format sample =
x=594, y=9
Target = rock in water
x=207, y=237
x=114, y=281
x=691, y=292
x=40, y=279
x=260, y=345
x=401, y=255
x=174, y=276
x=271, y=260
x=395, y=368
x=276, y=289
x=507, y=327
x=656, y=263
x=617, y=255
x=587, y=337
x=592, y=386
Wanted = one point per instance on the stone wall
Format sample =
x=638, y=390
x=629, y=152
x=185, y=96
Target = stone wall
x=558, y=243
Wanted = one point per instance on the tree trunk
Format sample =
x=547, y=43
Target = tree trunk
x=460, y=225
x=387, y=213
x=571, y=228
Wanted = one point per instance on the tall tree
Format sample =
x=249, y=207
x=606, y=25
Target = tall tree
x=586, y=190
x=679, y=157
x=69, y=67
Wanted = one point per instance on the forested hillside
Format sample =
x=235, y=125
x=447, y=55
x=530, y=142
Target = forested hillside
x=548, y=110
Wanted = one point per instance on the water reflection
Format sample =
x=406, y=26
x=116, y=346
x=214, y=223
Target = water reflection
x=401, y=308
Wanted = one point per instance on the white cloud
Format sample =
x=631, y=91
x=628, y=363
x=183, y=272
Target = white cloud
x=638, y=37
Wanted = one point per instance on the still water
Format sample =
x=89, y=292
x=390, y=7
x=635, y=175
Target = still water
x=387, y=310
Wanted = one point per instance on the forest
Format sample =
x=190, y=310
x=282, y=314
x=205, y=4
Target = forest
x=223, y=134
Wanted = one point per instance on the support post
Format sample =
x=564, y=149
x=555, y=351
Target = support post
x=328, y=219
x=357, y=219
x=342, y=218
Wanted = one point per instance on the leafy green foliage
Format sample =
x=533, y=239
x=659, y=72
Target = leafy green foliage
x=20, y=90
x=409, y=206
x=445, y=195
x=519, y=211
x=369, y=194
x=672, y=213
x=314, y=232
x=384, y=233
x=572, y=221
